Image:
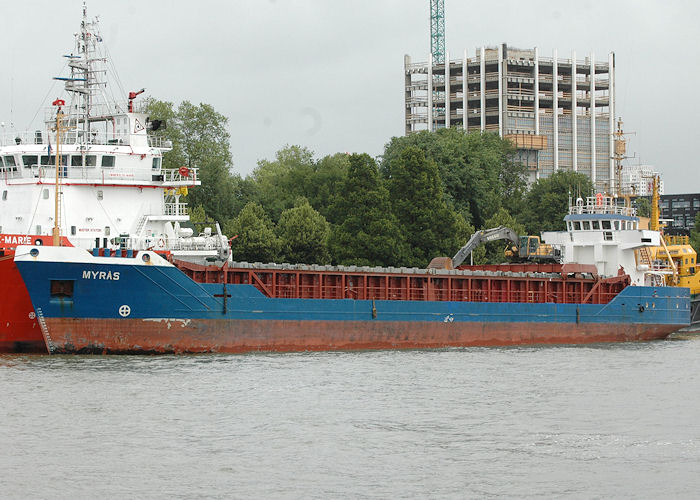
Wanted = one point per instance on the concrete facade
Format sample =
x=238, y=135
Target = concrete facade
x=558, y=112
x=636, y=180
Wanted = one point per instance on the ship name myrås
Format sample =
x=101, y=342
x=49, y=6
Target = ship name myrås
x=101, y=275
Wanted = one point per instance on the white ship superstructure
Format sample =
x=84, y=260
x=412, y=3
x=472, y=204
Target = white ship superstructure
x=607, y=235
x=113, y=190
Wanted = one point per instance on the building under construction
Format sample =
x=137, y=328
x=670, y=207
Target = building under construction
x=559, y=113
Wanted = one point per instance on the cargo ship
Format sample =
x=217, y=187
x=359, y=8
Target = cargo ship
x=141, y=302
x=105, y=188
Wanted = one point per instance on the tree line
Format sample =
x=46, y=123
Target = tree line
x=423, y=197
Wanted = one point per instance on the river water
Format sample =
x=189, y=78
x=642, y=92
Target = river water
x=620, y=420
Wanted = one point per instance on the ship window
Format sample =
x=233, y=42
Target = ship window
x=99, y=194
x=38, y=229
x=107, y=161
x=30, y=160
x=596, y=225
x=4, y=195
x=616, y=224
x=51, y=160
x=76, y=161
x=106, y=230
x=45, y=194
x=586, y=225
x=10, y=161
x=577, y=225
x=607, y=235
x=156, y=163
x=2, y=164
x=90, y=160
x=606, y=224
x=72, y=230
x=62, y=288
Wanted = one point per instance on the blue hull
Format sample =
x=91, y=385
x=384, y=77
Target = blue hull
x=145, y=301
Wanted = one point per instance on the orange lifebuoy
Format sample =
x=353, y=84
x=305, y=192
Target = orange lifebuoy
x=184, y=171
x=599, y=199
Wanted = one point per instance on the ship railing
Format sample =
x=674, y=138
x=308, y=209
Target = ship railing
x=73, y=137
x=95, y=174
x=595, y=205
x=176, y=209
x=178, y=175
x=160, y=142
x=10, y=173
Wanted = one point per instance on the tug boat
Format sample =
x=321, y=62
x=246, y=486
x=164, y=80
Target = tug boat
x=143, y=303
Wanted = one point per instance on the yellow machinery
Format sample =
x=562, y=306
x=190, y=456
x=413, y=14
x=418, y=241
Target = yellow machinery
x=675, y=252
x=679, y=251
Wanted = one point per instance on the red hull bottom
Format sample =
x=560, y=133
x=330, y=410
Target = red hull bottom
x=122, y=336
x=19, y=330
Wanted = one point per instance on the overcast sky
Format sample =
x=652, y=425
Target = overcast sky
x=328, y=75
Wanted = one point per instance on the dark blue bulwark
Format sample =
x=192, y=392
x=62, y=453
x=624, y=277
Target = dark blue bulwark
x=166, y=292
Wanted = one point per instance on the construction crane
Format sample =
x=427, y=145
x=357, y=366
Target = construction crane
x=437, y=30
x=437, y=54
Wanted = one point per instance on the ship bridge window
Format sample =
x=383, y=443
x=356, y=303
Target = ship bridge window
x=577, y=225
x=596, y=225
x=107, y=161
x=156, y=163
x=617, y=225
x=606, y=224
x=62, y=288
x=30, y=160
x=77, y=160
x=10, y=163
x=586, y=225
x=50, y=161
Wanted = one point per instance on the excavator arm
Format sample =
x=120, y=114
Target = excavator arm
x=484, y=236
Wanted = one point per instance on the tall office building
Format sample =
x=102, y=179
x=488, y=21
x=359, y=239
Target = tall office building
x=559, y=113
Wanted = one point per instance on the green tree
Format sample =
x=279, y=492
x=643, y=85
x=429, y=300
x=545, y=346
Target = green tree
x=256, y=239
x=294, y=174
x=282, y=181
x=303, y=234
x=547, y=202
x=367, y=232
x=428, y=224
x=643, y=206
x=477, y=169
x=200, y=139
x=695, y=234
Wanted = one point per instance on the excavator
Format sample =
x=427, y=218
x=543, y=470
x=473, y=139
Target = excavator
x=521, y=248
